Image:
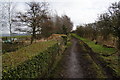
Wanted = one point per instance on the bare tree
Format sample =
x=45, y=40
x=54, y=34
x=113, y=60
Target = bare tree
x=3, y=17
x=104, y=25
x=10, y=17
x=67, y=24
x=114, y=11
x=62, y=25
x=7, y=13
x=34, y=17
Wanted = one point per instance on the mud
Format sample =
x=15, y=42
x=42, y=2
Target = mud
x=74, y=63
x=72, y=67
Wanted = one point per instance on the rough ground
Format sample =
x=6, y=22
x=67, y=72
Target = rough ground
x=73, y=63
x=72, y=68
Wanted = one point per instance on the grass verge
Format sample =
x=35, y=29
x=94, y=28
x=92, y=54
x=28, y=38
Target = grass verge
x=13, y=59
x=34, y=61
x=108, y=56
x=96, y=47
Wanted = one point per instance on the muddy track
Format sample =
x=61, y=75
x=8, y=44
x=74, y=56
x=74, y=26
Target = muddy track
x=102, y=64
x=75, y=62
x=72, y=67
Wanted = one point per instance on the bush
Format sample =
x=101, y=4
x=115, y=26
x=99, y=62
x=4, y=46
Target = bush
x=36, y=67
x=13, y=59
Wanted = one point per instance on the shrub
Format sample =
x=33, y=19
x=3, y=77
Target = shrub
x=35, y=67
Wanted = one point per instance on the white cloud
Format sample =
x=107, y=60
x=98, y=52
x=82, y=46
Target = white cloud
x=80, y=11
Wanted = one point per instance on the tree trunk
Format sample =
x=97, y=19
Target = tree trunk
x=33, y=35
x=10, y=30
x=118, y=43
x=105, y=37
x=32, y=39
x=9, y=18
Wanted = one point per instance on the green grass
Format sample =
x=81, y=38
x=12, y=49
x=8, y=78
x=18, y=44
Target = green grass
x=15, y=58
x=37, y=67
x=34, y=61
x=96, y=47
x=111, y=59
x=94, y=67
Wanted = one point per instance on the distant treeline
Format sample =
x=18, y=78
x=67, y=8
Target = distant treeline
x=38, y=19
x=106, y=28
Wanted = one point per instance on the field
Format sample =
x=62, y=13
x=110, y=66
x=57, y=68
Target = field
x=16, y=36
x=18, y=42
x=7, y=47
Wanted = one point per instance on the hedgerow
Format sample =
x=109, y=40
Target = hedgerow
x=37, y=67
x=13, y=59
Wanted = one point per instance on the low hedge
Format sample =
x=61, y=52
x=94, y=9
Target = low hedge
x=13, y=59
x=36, y=67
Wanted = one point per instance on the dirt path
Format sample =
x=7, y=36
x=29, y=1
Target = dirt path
x=72, y=68
x=77, y=63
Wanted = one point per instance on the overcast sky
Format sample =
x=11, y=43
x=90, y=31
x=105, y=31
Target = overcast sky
x=80, y=11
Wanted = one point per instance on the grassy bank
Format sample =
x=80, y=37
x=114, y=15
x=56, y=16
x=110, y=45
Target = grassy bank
x=15, y=58
x=96, y=47
x=32, y=61
x=107, y=56
x=94, y=70
x=56, y=72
